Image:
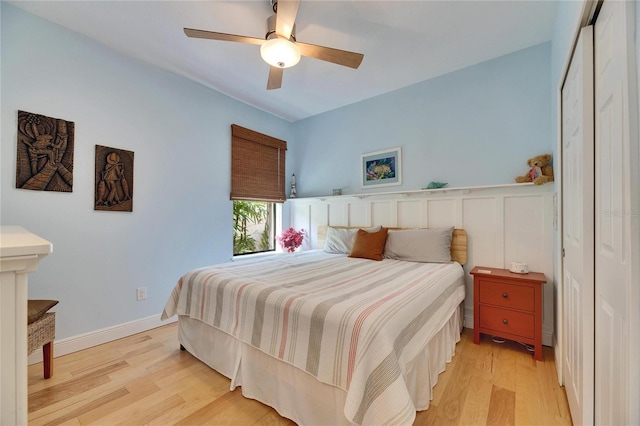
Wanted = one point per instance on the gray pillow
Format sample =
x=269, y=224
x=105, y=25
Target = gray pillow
x=419, y=245
x=340, y=240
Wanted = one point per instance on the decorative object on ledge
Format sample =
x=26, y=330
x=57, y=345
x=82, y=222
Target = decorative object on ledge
x=436, y=185
x=114, y=179
x=381, y=168
x=293, y=186
x=541, y=170
x=337, y=191
x=291, y=239
x=44, y=155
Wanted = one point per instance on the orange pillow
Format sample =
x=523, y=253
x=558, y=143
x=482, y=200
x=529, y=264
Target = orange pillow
x=369, y=245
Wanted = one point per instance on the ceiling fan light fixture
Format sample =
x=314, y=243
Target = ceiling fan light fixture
x=280, y=53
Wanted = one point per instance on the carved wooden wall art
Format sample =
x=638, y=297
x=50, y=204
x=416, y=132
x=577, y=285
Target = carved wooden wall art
x=114, y=179
x=44, y=159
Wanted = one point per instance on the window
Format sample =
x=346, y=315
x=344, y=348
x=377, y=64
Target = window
x=257, y=184
x=253, y=227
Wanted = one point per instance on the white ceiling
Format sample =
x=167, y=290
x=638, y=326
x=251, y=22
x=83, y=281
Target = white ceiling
x=404, y=42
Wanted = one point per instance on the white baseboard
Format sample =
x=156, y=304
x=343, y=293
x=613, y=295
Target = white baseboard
x=468, y=318
x=557, y=353
x=83, y=341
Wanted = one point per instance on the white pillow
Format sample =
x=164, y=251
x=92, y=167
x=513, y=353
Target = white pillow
x=419, y=245
x=340, y=240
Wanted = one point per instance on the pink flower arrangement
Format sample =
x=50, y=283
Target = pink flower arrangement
x=291, y=239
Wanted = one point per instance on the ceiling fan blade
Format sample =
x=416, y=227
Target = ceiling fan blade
x=329, y=54
x=190, y=32
x=286, y=17
x=275, y=78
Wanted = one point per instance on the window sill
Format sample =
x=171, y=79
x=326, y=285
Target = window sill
x=254, y=255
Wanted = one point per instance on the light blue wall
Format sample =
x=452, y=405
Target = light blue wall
x=180, y=133
x=476, y=126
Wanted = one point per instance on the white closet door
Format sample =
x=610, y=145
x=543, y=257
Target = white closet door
x=616, y=239
x=578, y=230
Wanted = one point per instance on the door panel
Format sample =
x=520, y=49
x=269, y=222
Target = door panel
x=578, y=230
x=616, y=363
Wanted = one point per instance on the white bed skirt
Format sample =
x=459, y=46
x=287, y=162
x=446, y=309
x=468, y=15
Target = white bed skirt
x=296, y=394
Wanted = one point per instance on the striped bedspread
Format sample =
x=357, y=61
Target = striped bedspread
x=353, y=323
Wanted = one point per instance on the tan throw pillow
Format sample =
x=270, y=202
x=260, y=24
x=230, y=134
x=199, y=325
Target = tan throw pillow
x=369, y=245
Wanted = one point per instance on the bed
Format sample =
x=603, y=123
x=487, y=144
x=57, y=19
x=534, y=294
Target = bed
x=325, y=338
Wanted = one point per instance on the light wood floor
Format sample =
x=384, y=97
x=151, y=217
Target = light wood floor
x=145, y=379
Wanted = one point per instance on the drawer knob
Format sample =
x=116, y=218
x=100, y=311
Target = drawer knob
x=504, y=321
x=505, y=295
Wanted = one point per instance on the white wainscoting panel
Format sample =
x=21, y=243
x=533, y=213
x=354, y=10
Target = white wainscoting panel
x=359, y=214
x=441, y=213
x=338, y=213
x=503, y=223
x=383, y=213
x=411, y=214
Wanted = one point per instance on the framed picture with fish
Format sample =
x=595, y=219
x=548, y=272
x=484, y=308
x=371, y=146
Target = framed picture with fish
x=381, y=168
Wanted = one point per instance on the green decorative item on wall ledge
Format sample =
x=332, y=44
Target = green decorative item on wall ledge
x=436, y=185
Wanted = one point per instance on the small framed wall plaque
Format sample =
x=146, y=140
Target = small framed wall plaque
x=44, y=155
x=114, y=179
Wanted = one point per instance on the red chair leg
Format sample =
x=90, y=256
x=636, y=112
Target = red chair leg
x=47, y=355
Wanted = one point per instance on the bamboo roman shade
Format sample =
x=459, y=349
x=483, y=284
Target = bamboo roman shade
x=257, y=166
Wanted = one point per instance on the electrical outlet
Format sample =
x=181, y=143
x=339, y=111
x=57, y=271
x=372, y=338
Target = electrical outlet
x=141, y=293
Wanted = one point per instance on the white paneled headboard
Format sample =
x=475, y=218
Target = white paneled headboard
x=504, y=224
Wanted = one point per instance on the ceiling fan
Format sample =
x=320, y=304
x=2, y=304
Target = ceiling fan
x=279, y=48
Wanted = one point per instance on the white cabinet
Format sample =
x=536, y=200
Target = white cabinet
x=20, y=252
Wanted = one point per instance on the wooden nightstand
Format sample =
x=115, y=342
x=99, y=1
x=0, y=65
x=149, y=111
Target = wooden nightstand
x=508, y=305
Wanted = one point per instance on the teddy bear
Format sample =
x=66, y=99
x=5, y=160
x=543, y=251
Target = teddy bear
x=541, y=171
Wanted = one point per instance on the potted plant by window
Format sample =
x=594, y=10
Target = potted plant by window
x=291, y=239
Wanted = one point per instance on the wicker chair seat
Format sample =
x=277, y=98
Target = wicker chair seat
x=42, y=331
x=41, y=334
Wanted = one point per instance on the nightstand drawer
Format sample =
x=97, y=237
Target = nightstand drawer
x=506, y=295
x=506, y=321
